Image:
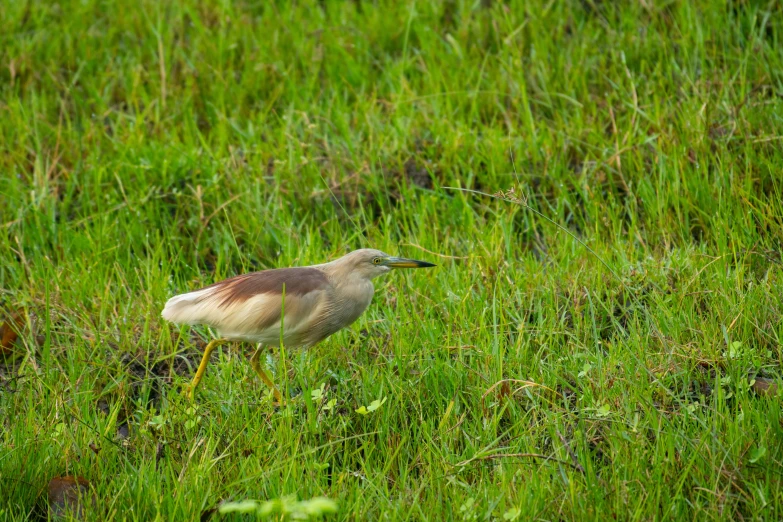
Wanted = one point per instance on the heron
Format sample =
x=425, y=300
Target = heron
x=299, y=306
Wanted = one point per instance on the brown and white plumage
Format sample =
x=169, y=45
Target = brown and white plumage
x=310, y=302
x=307, y=304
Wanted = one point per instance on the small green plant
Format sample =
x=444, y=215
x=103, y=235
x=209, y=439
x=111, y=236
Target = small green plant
x=374, y=405
x=469, y=510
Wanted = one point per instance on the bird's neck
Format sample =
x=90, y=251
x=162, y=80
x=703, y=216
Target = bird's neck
x=353, y=295
x=348, y=281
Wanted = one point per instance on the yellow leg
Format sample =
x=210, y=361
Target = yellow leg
x=203, y=366
x=256, y=364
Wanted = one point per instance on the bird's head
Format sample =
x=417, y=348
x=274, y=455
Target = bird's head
x=371, y=263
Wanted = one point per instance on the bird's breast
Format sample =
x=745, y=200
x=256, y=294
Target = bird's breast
x=356, y=301
x=344, y=306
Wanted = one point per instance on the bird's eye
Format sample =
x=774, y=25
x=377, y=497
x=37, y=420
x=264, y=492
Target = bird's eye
x=376, y=261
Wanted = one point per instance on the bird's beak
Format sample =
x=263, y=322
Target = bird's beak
x=401, y=262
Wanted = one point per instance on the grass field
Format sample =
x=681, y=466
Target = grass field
x=602, y=340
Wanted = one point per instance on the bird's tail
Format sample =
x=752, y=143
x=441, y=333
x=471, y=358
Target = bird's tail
x=184, y=308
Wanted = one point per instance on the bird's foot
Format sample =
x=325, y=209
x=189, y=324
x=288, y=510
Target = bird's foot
x=188, y=391
x=279, y=402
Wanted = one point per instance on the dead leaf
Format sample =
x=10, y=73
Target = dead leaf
x=9, y=331
x=67, y=494
x=765, y=387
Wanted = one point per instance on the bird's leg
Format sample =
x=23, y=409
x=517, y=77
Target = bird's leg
x=256, y=364
x=203, y=366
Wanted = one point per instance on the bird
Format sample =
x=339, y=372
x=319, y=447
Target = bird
x=299, y=306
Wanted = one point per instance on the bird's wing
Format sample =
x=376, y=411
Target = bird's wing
x=251, y=306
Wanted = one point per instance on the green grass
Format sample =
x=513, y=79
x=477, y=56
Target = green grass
x=150, y=148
